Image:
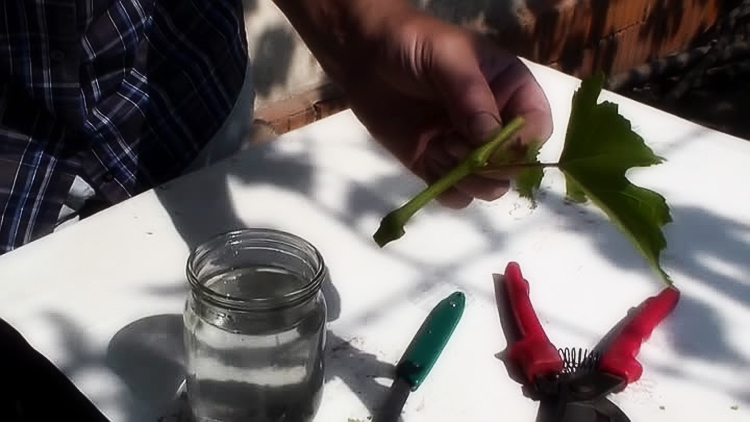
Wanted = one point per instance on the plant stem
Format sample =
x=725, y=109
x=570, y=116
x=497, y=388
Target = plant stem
x=532, y=165
x=502, y=169
x=392, y=225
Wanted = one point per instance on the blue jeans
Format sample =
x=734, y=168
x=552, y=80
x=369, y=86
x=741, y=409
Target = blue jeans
x=32, y=389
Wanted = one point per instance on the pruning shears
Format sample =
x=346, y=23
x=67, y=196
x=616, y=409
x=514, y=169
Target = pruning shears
x=574, y=386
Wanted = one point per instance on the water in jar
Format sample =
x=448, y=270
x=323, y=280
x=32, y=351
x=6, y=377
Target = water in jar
x=252, y=368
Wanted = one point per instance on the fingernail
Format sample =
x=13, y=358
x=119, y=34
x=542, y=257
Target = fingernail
x=481, y=125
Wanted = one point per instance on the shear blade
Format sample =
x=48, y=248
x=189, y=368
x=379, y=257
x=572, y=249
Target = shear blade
x=600, y=411
x=390, y=411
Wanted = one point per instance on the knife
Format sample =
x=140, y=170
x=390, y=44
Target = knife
x=421, y=354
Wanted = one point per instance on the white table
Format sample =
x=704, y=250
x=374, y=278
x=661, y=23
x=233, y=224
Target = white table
x=75, y=294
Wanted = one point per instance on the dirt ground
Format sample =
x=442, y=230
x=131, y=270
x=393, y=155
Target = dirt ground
x=720, y=97
x=723, y=106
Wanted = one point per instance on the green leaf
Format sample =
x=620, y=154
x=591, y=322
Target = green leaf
x=573, y=192
x=600, y=147
x=529, y=178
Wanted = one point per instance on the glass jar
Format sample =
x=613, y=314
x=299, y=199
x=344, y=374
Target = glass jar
x=255, y=328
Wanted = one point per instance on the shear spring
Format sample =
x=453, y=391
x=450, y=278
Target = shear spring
x=578, y=360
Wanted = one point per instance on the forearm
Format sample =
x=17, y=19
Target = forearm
x=342, y=33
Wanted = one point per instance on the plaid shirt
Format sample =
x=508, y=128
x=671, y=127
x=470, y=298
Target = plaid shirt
x=122, y=93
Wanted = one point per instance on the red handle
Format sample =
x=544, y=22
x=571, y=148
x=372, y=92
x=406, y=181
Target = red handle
x=532, y=352
x=619, y=358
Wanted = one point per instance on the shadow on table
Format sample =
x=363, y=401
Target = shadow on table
x=198, y=217
x=148, y=355
x=153, y=342
x=701, y=245
x=700, y=241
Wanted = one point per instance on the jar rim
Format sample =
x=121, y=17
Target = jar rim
x=288, y=299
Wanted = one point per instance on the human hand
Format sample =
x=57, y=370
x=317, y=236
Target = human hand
x=431, y=92
x=427, y=90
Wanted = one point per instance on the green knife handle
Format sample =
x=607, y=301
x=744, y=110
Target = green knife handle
x=430, y=340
